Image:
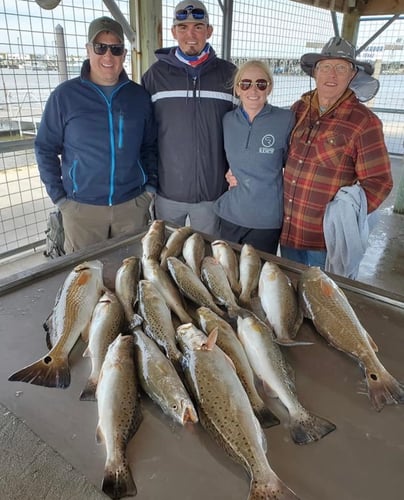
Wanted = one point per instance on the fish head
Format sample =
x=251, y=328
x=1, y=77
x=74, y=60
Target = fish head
x=190, y=338
x=206, y=318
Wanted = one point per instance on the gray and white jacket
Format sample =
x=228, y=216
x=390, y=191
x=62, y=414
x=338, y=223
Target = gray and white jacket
x=256, y=153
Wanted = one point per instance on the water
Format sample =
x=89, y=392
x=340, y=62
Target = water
x=23, y=94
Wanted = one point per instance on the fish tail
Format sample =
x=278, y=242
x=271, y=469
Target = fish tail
x=88, y=393
x=383, y=389
x=265, y=417
x=118, y=481
x=48, y=372
x=307, y=428
x=245, y=300
x=274, y=489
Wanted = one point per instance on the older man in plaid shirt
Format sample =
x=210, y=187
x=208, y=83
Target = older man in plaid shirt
x=337, y=141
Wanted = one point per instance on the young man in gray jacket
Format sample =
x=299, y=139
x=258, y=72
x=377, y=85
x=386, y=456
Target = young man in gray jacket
x=191, y=90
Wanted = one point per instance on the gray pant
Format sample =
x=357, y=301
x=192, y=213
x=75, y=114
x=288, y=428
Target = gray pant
x=86, y=225
x=200, y=216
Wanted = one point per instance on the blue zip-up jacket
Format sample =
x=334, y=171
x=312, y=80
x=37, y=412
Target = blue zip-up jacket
x=256, y=153
x=189, y=104
x=94, y=149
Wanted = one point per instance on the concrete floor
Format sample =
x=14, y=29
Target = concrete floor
x=31, y=469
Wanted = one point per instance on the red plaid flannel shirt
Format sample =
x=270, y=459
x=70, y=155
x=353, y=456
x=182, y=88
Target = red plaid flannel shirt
x=339, y=148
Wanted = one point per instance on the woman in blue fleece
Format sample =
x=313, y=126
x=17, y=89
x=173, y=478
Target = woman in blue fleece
x=256, y=138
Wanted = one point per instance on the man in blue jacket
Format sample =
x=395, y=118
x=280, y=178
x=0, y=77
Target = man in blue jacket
x=96, y=145
x=191, y=90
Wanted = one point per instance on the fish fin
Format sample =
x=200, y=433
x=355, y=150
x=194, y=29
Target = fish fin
x=292, y=342
x=273, y=488
x=383, y=389
x=99, y=436
x=118, y=481
x=85, y=333
x=136, y=321
x=309, y=428
x=88, y=393
x=266, y=417
x=327, y=288
x=268, y=390
x=211, y=340
x=372, y=343
x=86, y=353
x=48, y=372
x=244, y=300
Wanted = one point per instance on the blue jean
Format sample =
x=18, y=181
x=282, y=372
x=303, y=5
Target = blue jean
x=308, y=257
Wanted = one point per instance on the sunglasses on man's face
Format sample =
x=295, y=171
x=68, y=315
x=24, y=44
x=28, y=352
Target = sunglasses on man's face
x=101, y=48
x=261, y=84
x=197, y=14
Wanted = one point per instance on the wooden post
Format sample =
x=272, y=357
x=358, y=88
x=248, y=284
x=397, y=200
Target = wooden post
x=399, y=203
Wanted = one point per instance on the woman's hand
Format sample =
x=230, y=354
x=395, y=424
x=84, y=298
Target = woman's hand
x=231, y=179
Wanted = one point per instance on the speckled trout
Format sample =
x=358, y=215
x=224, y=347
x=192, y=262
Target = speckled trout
x=126, y=280
x=225, y=254
x=106, y=323
x=158, y=324
x=174, y=244
x=280, y=302
x=229, y=343
x=153, y=241
x=225, y=411
x=193, y=252
x=159, y=379
x=190, y=285
x=119, y=414
x=270, y=367
x=250, y=268
x=333, y=317
x=70, y=317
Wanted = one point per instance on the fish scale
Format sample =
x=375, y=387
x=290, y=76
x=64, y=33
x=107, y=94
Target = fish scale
x=225, y=411
x=333, y=317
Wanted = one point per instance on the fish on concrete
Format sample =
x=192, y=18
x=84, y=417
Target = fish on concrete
x=119, y=415
x=215, y=278
x=71, y=316
x=174, y=244
x=225, y=411
x=107, y=321
x=327, y=306
x=126, y=280
x=224, y=253
x=190, y=285
x=159, y=379
x=280, y=302
x=193, y=252
x=158, y=323
x=153, y=241
x=249, y=270
x=229, y=343
x=271, y=369
x=165, y=285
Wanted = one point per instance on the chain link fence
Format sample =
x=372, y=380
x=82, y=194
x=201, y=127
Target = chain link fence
x=278, y=32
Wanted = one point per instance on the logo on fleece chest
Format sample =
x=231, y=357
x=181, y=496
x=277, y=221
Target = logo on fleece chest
x=267, y=142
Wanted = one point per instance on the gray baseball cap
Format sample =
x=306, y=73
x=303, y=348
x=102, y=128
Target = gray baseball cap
x=104, y=24
x=190, y=11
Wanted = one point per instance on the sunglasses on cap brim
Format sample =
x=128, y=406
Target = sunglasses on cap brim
x=197, y=14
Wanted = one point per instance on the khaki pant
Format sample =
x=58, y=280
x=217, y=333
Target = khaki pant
x=85, y=224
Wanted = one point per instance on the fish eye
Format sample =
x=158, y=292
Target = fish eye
x=175, y=407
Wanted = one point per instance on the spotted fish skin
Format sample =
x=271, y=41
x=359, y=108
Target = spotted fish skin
x=159, y=379
x=107, y=322
x=250, y=268
x=225, y=411
x=224, y=253
x=333, y=317
x=280, y=302
x=69, y=319
x=271, y=369
x=174, y=244
x=126, y=280
x=193, y=252
x=229, y=343
x=119, y=415
x=158, y=323
x=190, y=285
x=153, y=241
